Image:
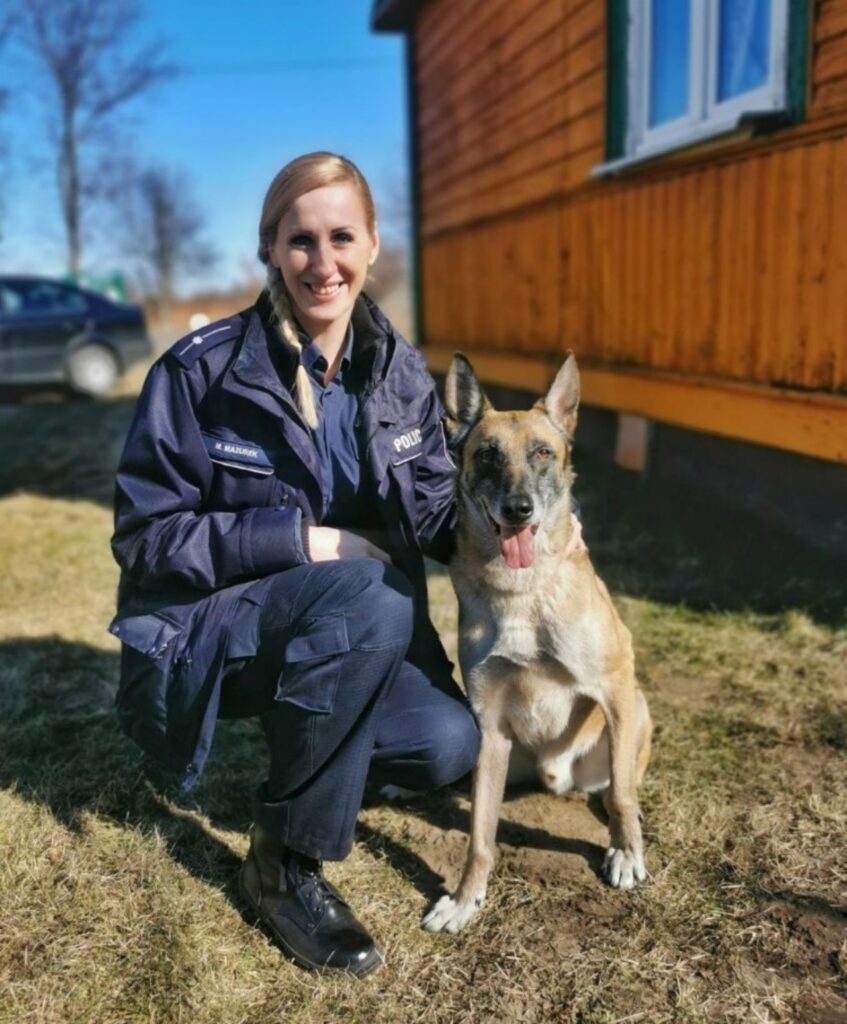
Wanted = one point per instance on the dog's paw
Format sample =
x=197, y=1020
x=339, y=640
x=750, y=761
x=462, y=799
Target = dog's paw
x=624, y=869
x=451, y=915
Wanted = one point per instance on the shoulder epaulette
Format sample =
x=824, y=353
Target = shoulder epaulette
x=189, y=349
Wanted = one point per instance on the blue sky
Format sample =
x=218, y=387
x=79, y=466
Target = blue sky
x=261, y=82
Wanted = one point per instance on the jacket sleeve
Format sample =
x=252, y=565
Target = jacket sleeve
x=435, y=482
x=162, y=532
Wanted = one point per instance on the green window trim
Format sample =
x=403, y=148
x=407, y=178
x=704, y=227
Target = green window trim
x=617, y=99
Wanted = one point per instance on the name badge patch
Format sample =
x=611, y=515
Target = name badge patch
x=238, y=454
x=406, y=445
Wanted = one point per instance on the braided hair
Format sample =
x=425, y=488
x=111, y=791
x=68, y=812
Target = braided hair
x=308, y=172
x=281, y=303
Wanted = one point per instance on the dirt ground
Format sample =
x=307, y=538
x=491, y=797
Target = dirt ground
x=118, y=901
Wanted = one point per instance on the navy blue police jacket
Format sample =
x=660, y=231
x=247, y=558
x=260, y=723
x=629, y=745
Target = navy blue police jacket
x=219, y=478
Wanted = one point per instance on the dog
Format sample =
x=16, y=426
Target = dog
x=547, y=661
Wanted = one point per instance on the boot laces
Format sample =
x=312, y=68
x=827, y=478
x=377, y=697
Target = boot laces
x=317, y=890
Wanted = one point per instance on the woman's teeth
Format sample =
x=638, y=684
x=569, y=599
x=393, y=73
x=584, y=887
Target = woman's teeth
x=325, y=290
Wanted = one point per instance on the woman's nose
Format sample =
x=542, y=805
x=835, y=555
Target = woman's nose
x=323, y=262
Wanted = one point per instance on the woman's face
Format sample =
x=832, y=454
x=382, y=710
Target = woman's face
x=323, y=248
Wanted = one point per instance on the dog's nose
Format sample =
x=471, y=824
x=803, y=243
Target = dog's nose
x=518, y=507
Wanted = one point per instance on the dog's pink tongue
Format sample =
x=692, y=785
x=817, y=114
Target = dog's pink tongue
x=517, y=545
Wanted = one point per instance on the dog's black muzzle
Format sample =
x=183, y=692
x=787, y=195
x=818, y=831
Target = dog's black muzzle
x=517, y=509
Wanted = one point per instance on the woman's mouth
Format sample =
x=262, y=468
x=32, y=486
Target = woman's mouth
x=323, y=292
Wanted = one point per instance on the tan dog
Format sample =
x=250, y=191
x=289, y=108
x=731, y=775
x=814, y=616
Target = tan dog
x=546, y=659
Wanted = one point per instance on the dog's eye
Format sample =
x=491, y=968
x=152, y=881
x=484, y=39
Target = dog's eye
x=542, y=454
x=488, y=456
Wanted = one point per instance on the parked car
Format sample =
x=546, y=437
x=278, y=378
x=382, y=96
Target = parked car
x=52, y=332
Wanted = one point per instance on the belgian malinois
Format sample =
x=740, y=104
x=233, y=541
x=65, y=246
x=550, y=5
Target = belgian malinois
x=547, y=662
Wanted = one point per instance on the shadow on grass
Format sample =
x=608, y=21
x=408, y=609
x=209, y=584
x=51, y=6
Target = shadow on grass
x=411, y=867
x=63, y=750
x=442, y=810
x=63, y=449
x=672, y=545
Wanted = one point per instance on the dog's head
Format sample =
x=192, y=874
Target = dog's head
x=514, y=467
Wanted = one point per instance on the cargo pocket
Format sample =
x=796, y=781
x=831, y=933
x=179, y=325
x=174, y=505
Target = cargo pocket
x=152, y=635
x=147, y=657
x=243, y=633
x=313, y=658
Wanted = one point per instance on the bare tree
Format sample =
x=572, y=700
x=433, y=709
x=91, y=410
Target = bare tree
x=166, y=232
x=85, y=49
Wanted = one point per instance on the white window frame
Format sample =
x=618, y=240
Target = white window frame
x=705, y=117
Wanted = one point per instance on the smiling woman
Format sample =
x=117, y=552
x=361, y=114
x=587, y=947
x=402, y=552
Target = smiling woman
x=284, y=476
x=325, y=243
x=317, y=237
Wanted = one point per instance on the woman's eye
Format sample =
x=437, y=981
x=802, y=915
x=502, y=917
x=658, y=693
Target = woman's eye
x=299, y=241
x=343, y=237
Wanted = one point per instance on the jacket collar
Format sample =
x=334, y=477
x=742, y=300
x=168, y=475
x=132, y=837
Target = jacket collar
x=265, y=366
x=267, y=361
x=264, y=359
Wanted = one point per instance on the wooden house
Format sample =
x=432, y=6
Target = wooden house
x=659, y=185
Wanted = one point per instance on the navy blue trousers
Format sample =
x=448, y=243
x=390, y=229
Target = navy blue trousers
x=345, y=685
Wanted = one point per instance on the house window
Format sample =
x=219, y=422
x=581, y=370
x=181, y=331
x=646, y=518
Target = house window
x=685, y=70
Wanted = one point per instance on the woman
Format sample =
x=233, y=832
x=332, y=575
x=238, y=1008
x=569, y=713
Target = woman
x=284, y=475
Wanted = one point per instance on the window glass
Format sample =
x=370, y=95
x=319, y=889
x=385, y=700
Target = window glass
x=683, y=71
x=43, y=297
x=10, y=301
x=670, y=48
x=743, y=46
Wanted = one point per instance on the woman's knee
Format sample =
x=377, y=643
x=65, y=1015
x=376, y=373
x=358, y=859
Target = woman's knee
x=460, y=746
x=374, y=598
x=382, y=612
x=451, y=748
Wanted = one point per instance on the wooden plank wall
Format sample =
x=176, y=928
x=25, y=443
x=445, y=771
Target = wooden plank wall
x=510, y=104
x=731, y=264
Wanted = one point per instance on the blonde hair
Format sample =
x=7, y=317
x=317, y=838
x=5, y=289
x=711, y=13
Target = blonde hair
x=306, y=173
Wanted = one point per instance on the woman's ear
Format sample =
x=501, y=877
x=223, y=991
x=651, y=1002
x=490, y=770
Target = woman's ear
x=375, y=253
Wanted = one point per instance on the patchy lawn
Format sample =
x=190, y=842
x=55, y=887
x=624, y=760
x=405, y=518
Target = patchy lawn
x=118, y=900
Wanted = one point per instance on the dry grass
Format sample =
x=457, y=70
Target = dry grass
x=118, y=903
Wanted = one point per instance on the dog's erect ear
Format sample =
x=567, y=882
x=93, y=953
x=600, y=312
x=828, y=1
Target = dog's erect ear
x=562, y=399
x=464, y=399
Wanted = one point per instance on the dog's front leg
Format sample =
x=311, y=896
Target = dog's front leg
x=623, y=866
x=452, y=913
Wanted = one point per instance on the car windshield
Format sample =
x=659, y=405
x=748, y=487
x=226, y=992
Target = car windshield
x=40, y=297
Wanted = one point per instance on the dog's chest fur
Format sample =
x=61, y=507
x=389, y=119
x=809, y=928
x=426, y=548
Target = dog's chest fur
x=530, y=643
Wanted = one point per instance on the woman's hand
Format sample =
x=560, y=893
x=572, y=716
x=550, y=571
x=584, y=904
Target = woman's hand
x=326, y=544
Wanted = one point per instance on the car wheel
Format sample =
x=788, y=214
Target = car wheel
x=92, y=370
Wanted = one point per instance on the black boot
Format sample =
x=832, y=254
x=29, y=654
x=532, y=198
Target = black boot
x=306, y=915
